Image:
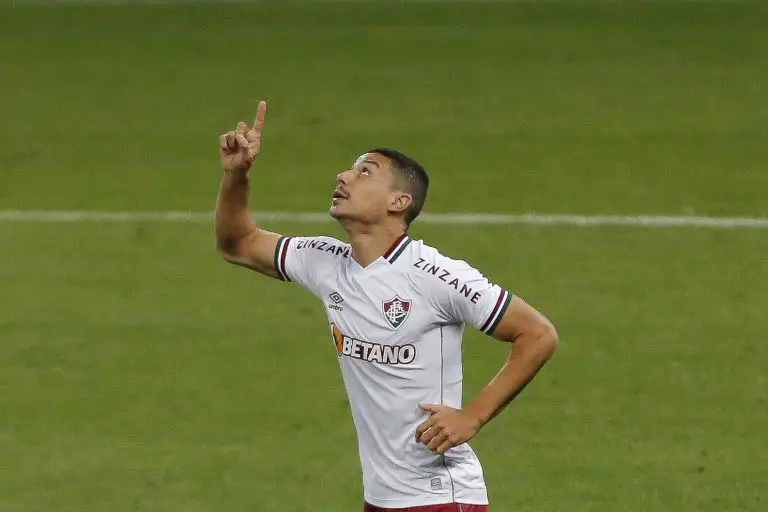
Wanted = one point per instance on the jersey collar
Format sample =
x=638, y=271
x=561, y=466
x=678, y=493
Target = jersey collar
x=397, y=248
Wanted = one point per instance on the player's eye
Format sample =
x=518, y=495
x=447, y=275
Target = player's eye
x=365, y=171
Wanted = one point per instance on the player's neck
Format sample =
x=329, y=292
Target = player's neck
x=370, y=244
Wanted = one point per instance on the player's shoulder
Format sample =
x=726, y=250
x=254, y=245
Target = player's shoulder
x=425, y=256
x=320, y=246
x=308, y=255
x=437, y=274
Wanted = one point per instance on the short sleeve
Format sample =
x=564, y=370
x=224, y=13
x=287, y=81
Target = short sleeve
x=306, y=260
x=464, y=295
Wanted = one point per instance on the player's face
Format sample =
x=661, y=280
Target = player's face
x=363, y=192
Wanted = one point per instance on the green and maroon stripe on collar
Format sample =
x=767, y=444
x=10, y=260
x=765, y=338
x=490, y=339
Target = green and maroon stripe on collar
x=397, y=248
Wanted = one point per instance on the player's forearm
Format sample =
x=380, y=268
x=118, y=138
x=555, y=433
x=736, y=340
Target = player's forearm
x=529, y=353
x=233, y=220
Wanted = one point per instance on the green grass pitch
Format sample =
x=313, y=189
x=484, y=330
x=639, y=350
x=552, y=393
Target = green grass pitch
x=139, y=372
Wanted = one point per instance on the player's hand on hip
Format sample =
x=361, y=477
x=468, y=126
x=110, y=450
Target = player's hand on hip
x=446, y=427
x=239, y=147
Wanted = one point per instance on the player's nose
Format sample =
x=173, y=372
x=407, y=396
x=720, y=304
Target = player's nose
x=343, y=177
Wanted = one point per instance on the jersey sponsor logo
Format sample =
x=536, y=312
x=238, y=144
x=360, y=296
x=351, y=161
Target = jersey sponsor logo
x=445, y=276
x=322, y=245
x=371, y=352
x=396, y=311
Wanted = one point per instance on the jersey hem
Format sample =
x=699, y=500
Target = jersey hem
x=423, y=501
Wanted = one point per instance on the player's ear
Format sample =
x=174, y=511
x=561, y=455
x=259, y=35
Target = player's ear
x=400, y=201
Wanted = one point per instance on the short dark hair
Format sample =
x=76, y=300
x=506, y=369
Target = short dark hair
x=412, y=176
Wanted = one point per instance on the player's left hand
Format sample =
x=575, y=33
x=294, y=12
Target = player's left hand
x=446, y=427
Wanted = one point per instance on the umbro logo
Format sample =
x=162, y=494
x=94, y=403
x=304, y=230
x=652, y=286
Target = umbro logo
x=336, y=299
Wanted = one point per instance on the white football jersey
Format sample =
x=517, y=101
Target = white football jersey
x=397, y=326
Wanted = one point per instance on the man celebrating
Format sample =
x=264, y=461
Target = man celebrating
x=396, y=310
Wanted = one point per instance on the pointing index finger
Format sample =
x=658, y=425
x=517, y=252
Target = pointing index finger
x=261, y=113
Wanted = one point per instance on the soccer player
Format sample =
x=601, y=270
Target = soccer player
x=396, y=311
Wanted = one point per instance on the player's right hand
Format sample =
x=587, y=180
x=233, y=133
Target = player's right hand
x=239, y=147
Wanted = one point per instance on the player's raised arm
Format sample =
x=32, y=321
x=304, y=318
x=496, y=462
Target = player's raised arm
x=238, y=238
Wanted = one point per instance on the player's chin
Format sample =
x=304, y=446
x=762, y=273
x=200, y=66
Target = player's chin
x=338, y=213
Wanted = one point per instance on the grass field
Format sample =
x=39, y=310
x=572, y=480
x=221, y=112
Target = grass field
x=141, y=373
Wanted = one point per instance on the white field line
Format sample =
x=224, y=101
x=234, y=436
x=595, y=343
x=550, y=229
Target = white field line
x=654, y=221
x=224, y=2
